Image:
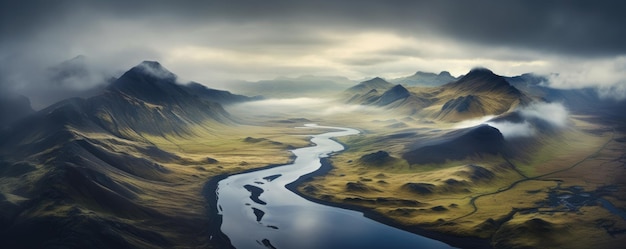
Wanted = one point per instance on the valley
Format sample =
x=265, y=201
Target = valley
x=482, y=160
x=500, y=193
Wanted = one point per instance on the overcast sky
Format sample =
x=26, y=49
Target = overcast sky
x=214, y=41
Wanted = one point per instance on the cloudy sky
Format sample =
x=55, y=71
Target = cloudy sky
x=216, y=41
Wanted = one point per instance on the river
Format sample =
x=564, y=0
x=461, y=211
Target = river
x=259, y=212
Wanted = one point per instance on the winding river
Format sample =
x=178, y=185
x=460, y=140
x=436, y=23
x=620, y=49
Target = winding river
x=259, y=212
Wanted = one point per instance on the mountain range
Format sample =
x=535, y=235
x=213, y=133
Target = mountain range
x=79, y=167
x=425, y=79
x=96, y=167
x=478, y=93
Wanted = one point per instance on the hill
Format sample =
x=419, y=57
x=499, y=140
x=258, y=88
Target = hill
x=220, y=96
x=83, y=166
x=368, y=85
x=457, y=145
x=478, y=93
x=426, y=79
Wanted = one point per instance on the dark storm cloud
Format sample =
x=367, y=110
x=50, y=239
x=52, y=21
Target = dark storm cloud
x=587, y=28
x=270, y=38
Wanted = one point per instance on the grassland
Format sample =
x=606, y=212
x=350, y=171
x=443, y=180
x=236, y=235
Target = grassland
x=100, y=180
x=145, y=191
x=508, y=208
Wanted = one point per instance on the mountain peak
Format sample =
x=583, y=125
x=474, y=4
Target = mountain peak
x=483, y=75
x=421, y=73
x=374, y=83
x=154, y=69
x=154, y=64
x=149, y=81
x=378, y=79
x=395, y=93
x=421, y=78
x=445, y=74
x=480, y=70
x=377, y=82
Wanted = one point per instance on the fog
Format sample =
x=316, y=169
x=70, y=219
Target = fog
x=45, y=82
x=473, y=122
x=309, y=107
x=511, y=130
x=554, y=114
x=606, y=75
x=212, y=42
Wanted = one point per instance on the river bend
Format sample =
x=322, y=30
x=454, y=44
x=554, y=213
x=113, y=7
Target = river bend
x=259, y=212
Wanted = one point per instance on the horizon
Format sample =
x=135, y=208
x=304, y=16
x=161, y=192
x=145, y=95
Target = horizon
x=213, y=42
x=307, y=124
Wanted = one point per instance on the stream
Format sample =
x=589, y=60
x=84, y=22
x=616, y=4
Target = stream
x=259, y=212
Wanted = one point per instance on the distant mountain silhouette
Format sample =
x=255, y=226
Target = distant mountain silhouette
x=13, y=108
x=580, y=101
x=478, y=93
x=219, y=96
x=425, y=79
x=397, y=92
x=368, y=85
x=367, y=92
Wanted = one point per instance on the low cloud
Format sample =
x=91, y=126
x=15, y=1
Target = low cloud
x=340, y=109
x=473, y=122
x=303, y=106
x=615, y=92
x=605, y=75
x=217, y=41
x=554, y=114
x=288, y=103
x=511, y=130
x=45, y=82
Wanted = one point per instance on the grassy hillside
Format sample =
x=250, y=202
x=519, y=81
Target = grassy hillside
x=126, y=169
x=477, y=94
x=501, y=197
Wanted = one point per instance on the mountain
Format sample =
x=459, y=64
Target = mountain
x=368, y=85
x=483, y=80
x=425, y=79
x=147, y=99
x=13, y=108
x=397, y=92
x=478, y=93
x=76, y=77
x=82, y=173
x=220, y=96
x=458, y=145
x=367, y=92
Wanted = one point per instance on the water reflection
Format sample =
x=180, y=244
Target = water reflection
x=259, y=212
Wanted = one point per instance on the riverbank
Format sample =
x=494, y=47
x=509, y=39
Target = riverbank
x=217, y=237
x=455, y=241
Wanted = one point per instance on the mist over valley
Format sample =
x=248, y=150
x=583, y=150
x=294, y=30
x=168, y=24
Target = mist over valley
x=242, y=124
